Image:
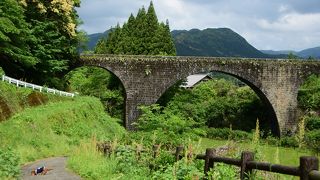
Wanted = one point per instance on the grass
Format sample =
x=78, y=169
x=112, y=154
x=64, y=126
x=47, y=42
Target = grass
x=267, y=153
x=14, y=100
x=90, y=164
x=264, y=153
x=36, y=125
x=57, y=128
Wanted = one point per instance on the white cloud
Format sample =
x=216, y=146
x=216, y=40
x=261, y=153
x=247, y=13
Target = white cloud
x=293, y=22
x=272, y=24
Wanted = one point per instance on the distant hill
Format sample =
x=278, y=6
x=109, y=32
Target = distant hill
x=213, y=42
x=209, y=42
x=313, y=52
x=94, y=38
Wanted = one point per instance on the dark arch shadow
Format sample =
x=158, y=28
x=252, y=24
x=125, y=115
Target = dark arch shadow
x=270, y=114
x=116, y=82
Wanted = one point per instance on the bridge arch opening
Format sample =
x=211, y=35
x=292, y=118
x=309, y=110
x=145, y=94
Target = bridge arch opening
x=101, y=83
x=257, y=106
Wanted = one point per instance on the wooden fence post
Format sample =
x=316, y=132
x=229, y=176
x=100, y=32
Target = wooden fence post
x=179, y=149
x=155, y=149
x=307, y=164
x=245, y=157
x=208, y=162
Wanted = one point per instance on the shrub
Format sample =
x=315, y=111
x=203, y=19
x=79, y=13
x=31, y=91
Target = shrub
x=223, y=172
x=313, y=141
x=165, y=127
x=225, y=133
x=9, y=163
x=287, y=141
x=313, y=123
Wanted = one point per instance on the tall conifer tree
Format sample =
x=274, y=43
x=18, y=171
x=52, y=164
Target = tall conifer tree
x=142, y=34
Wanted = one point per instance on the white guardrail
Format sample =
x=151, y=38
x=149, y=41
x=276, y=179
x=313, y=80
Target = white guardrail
x=19, y=83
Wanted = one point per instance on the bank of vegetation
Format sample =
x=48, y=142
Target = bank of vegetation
x=53, y=129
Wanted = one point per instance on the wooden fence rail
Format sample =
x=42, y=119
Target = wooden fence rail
x=19, y=83
x=308, y=169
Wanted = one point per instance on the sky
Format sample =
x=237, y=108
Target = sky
x=265, y=24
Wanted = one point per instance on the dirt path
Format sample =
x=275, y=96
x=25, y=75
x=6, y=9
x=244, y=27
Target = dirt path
x=59, y=172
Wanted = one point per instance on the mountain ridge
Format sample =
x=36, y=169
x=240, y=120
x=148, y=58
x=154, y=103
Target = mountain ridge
x=217, y=42
x=305, y=53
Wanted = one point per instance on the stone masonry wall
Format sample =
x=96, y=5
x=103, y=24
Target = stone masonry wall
x=146, y=78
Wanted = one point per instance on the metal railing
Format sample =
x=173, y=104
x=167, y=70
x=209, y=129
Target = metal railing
x=19, y=83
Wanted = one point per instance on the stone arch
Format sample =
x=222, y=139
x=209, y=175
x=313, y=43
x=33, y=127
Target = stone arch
x=272, y=118
x=114, y=73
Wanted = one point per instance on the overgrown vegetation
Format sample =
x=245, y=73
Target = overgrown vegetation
x=99, y=83
x=56, y=129
x=14, y=100
x=309, y=95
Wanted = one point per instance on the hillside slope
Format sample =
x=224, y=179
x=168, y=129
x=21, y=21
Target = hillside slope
x=14, y=100
x=94, y=38
x=56, y=128
x=313, y=52
x=306, y=53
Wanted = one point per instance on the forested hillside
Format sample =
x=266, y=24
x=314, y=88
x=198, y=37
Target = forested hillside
x=213, y=42
x=208, y=42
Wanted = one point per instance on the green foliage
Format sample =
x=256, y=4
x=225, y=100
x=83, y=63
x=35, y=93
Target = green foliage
x=227, y=133
x=14, y=100
x=56, y=128
x=220, y=42
x=309, y=94
x=15, y=34
x=313, y=141
x=223, y=172
x=312, y=123
x=90, y=164
x=101, y=84
x=182, y=169
x=142, y=34
x=38, y=39
x=287, y=141
x=292, y=56
x=218, y=103
x=165, y=127
x=9, y=163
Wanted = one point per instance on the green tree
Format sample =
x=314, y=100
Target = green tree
x=292, y=56
x=15, y=36
x=142, y=34
x=151, y=28
x=38, y=39
x=101, y=47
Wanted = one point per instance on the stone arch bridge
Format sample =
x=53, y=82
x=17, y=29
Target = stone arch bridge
x=146, y=78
